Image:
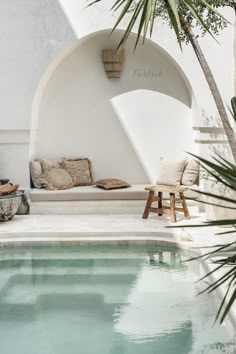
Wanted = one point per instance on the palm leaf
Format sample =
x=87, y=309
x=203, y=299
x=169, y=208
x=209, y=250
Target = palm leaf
x=175, y=21
x=143, y=14
x=224, y=172
x=198, y=18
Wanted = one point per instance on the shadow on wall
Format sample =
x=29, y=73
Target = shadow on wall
x=157, y=126
x=123, y=125
x=213, y=138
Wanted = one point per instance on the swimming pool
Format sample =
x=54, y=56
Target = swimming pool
x=106, y=300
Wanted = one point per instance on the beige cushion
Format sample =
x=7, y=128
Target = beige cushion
x=171, y=172
x=111, y=183
x=36, y=173
x=80, y=170
x=48, y=164
x=191, y=173
x=57, y=178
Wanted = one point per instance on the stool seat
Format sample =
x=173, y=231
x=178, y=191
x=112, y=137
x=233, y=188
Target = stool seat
x=166, y=188
x=169, y=210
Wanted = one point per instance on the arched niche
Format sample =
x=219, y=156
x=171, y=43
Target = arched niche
x=118, y=123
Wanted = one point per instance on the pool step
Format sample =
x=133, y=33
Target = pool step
x=27, y=288
x=76, y=252
x=60, y=263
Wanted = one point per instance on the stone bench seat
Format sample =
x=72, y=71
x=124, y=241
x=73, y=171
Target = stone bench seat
x=92, y=193
x=136, y=192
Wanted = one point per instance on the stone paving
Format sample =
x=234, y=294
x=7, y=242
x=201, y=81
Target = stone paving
x=129, y=228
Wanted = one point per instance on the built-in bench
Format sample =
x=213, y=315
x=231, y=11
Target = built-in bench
x=93, y=200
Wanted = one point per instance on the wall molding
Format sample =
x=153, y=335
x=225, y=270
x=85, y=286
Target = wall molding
x=14, y=136
x=210, y=130
x=210, y=135
x=198, y=141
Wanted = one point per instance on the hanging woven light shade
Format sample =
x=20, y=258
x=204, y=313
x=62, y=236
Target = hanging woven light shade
x=113, y=62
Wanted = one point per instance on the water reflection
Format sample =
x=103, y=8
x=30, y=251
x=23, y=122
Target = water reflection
x=105, y=300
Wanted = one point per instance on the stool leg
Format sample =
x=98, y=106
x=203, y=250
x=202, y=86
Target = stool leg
x=160, y=202
x=148, y=204
x=186, y=212
x=172, y=207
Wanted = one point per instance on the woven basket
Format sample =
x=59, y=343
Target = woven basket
x=113, y=62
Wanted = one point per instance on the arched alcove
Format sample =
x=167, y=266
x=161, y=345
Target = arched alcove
x=117, y=123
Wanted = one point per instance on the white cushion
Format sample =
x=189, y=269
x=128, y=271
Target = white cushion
x=171, y=172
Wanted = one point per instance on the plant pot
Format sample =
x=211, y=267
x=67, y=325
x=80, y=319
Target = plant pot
x=4, y=181
x=24, y=205
x=9, y=205
x=219, y=212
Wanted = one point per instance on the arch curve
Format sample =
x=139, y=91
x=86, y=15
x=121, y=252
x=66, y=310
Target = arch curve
x=74, y=112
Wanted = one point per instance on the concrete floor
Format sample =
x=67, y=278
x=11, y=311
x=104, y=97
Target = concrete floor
x=109, y=228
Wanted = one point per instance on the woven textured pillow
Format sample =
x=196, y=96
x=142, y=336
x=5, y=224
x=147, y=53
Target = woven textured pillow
x=57, y=178
x=36, y=173
x=191, y=173
x=171, y=172
x=48, y=164
x=80, y=170
x=111, y=183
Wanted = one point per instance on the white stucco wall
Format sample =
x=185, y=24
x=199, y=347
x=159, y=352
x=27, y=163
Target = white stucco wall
x=125, y=126
x=33, y=33
x=86, y=20
x=218, y=53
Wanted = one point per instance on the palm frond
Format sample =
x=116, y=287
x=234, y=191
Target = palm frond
x=224, y=172
x=143, y=12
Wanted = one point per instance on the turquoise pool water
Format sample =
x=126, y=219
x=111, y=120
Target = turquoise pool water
x=105, y=300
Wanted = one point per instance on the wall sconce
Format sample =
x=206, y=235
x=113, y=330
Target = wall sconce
x=113, y=62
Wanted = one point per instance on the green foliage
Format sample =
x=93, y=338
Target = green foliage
x=201, y=17
x=233, y=105
x=223, y=256
x=225, y=172
x=196, y=13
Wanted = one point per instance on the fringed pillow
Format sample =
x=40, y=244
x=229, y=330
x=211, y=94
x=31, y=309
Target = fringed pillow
x=111, y=183
x=80, y=170
x=57, y=178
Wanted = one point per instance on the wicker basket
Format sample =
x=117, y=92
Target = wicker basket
x=113, y=62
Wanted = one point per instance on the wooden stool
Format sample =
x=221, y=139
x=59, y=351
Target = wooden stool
x=169, y=210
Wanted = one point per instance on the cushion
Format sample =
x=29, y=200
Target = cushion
x=36, y=173
x=191, y=173
x=171, y=172
x=48, y=164
x=80, y=170
x=111, y=183
x=57, y=178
